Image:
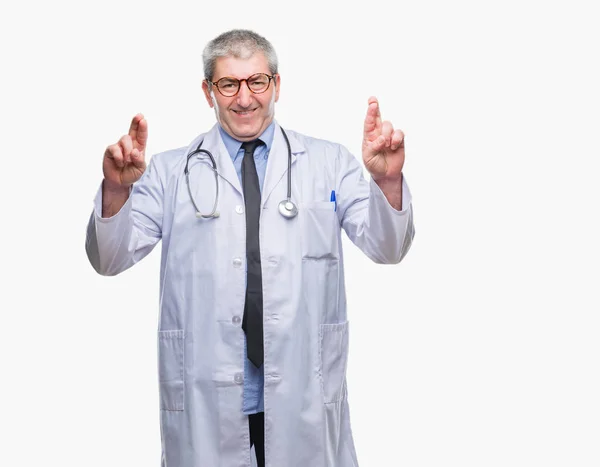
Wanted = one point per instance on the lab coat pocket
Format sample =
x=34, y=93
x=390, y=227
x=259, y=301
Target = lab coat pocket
x=320, y=230
x=333, y=359
x=170, y=369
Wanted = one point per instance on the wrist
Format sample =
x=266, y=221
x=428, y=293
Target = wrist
x=114, y=188
x=114, y=197
x=388, y=182
x=392, y=190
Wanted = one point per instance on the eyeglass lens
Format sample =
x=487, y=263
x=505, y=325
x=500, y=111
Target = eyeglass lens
x=256, y=83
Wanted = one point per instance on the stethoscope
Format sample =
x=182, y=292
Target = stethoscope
x=287, y=208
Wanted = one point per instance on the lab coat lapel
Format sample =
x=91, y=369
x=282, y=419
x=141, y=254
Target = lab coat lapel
x=277, y=164
x=214, y=143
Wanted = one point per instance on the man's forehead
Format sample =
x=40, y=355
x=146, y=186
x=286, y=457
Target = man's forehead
x=241, y=67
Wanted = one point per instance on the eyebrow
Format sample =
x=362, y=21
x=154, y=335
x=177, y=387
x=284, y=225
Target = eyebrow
x=257, y=73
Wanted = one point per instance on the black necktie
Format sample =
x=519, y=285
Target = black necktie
x=252, y=323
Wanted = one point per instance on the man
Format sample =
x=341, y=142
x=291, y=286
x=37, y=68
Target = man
x=253, y=331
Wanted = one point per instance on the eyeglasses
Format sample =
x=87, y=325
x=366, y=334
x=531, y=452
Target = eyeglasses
x=257, y=83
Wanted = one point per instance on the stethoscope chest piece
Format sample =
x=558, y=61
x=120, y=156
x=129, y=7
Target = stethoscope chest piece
x=288, y=209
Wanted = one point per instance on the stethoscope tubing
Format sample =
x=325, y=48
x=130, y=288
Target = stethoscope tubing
x=287, y=207
x=214, y=212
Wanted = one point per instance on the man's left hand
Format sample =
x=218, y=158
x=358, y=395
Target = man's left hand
x=383, y=147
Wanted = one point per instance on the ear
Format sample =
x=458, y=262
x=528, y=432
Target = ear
x=277, y=85
x=207, y=93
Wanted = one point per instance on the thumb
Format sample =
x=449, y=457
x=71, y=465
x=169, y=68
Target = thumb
x=137, y=159
x=375, y=147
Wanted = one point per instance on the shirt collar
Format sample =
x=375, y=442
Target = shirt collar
x=233, y=145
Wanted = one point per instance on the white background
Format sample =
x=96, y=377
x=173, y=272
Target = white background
x=480, y=349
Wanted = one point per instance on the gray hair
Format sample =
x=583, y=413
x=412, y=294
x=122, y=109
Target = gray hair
x=238, y=43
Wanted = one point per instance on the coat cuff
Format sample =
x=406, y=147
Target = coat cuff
x=123, y=212
x=377, y=193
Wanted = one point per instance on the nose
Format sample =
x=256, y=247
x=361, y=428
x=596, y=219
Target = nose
x=244, y=96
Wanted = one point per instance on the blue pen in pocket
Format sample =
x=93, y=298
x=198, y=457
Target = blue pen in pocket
x=333, y=200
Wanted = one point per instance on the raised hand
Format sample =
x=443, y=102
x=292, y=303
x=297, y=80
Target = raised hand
x=124, y=162
x=383, y=147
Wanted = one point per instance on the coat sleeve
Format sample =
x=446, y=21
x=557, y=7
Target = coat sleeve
x=383, y=233
x=116, y=243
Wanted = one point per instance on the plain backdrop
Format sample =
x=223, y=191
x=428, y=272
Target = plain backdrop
x=480, y=349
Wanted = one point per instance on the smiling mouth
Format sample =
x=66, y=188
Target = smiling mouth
x=244, y=112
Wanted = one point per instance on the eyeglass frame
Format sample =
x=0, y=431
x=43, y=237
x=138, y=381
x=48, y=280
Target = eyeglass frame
x=215, y=83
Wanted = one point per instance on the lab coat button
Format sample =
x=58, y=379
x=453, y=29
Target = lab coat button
x=236, y=320
x=239, y=209
x=237, y=262
x=238, y=378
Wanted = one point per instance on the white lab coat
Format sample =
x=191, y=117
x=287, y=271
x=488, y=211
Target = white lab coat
x=202, y=290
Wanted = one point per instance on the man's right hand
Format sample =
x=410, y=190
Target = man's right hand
x=124, y=162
